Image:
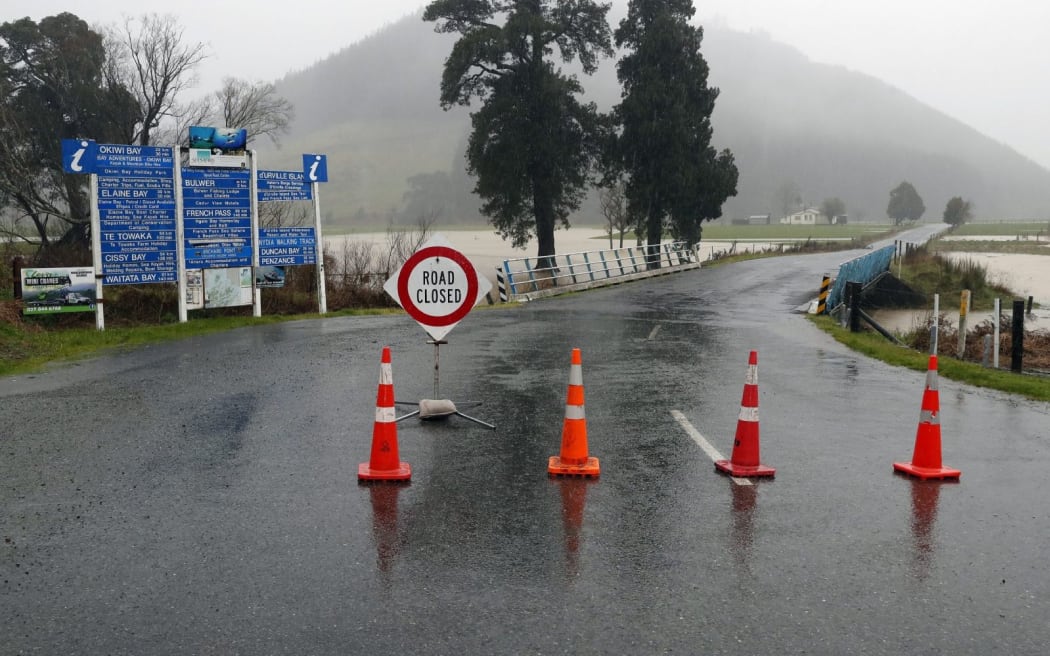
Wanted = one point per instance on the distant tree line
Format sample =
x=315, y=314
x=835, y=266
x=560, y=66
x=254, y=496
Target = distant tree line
x=127, y=84
x=906, y=205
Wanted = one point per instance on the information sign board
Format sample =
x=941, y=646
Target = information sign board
x=78, y=155
x=287, y=246
x=315, y=168
x=282, y=186
x=217, y=218
x=136, y=205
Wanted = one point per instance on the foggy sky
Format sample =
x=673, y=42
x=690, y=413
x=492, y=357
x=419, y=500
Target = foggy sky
x=979, y=61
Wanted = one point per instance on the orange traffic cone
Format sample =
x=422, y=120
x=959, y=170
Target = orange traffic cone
x=926, y=459
x=574, y=460
x=744, y=461
x=385, y=463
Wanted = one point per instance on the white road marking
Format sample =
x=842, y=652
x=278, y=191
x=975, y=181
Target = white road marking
x=711, y=451
x=653, y=332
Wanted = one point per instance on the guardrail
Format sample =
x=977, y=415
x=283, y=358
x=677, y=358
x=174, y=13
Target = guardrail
x=518, y=279
x=863, y=269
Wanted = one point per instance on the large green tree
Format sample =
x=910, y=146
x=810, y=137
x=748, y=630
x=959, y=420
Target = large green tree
x=957, y=211
x=60, y=79
x=905, y=204
x=533, y=144
x=54, y=88
x=676, y=179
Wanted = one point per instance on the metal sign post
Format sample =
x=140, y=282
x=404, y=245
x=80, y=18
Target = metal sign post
x=438, y=286
x=315, y=170
x=438, y=408
x=96, y=256
x=253, y=204
x=322, y=294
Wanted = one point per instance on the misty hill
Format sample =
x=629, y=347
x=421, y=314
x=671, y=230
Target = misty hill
x=791, y=123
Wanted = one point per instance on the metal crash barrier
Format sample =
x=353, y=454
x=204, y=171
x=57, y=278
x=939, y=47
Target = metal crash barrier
x=522, y=279
x=864, y=270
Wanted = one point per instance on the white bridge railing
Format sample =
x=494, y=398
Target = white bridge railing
x=521, y=279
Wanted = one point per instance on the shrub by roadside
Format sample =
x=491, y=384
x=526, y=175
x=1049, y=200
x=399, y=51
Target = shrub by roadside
x=1036, y=343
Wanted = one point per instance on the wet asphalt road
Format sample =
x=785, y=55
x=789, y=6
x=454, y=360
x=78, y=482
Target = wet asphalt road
x=201, y=497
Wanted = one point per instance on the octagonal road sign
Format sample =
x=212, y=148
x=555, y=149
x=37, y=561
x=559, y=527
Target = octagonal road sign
x=437, y=286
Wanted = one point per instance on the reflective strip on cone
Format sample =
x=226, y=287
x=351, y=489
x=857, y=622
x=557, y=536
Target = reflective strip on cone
x=929, y=417
x=748, y=414
x=575, y=412
x=752, y=375
x=576, y=374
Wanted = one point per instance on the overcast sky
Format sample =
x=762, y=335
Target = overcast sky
x=984, y=62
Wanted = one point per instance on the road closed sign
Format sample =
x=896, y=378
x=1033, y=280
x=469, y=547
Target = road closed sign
x=437, y=286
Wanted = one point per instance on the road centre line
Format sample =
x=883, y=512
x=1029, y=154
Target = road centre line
x=711, y=451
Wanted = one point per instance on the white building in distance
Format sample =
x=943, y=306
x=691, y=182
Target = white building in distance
x=812, y=216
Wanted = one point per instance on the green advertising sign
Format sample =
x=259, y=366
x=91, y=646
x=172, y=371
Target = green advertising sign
x=58, y=289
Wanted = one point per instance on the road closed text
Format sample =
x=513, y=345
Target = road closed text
x=439, y=287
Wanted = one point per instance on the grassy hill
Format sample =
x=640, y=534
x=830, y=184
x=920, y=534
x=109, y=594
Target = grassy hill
x=791, y=123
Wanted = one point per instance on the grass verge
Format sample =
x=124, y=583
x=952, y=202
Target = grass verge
x=928, y=272
x=1002, y=228
x=785, y=231
x=876, y=346
x=24, y=350
x=986, y=246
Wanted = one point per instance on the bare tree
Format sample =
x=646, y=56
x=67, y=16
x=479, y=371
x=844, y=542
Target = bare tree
x=357, y=264
x=402, y=244
x=255, y=107
x=115, y=74
x=365, y=265
x=787, y=198
x=157, y=66
x=280, y=214
x=614, y=208
x=177, y=129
